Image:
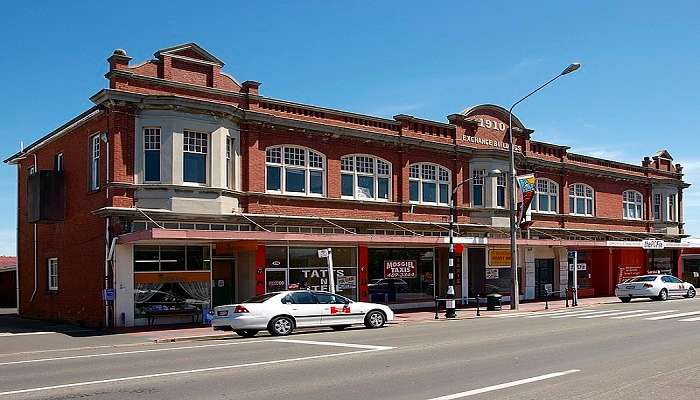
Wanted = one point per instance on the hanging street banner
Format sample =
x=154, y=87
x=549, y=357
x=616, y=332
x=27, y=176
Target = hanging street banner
x=528, y=186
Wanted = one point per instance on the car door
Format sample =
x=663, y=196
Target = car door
x=304, y=307
x=337, y=310
x=666, y=284
x=679, y=286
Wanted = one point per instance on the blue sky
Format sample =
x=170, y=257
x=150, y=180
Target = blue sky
x=637, y=91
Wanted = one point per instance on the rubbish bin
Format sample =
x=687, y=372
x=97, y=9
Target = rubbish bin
x=493, y=302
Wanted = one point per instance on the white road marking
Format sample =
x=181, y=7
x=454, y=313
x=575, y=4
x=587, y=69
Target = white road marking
x=520, y=314
x=610, y=314
x=563, y=312
x=691, y=319
x=8, y=334
x=581, y=314
x=505, y=385
x=644, y=314
x=673, y=316
x=185, y=372
x=120, y=353
x=352, y=345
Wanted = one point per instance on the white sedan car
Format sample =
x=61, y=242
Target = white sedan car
x=281, y=312
x=656, y=287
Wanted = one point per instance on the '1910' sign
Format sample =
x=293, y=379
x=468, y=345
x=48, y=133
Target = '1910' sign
x=399, y=268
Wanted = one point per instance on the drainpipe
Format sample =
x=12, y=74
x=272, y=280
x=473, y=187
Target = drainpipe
x=36, y=268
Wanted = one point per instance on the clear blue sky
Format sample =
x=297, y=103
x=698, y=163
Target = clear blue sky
x=637, y=91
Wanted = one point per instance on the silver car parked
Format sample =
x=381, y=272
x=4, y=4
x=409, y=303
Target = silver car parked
x=656, y=287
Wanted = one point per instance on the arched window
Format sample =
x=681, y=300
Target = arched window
x=365, y=177
x=581, y=199
x=546, y=198
x=632, y=205
x=429, y=184
x=294, y=170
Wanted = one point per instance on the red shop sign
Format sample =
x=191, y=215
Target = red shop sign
x=399, y=268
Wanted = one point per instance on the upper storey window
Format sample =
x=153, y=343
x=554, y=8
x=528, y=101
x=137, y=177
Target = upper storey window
x=581, y=199
x=151, y=154
x=478, y=187
x=294, y=170
x=632, y=205
x=95, y=162
x=365, y=177
x=195, y=149
x=546, y=198
x=429, y=184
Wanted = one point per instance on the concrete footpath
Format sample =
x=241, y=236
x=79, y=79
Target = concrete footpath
x=402, y=317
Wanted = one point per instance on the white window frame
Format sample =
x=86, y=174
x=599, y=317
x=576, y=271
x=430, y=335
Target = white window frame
x=442, y=176
x=375, y=174
x=632, y=200
x=657, y=206
x=230, y=177
x=146, y=148
x=196, y=149
x=94, y=162
x=52, y=273
x=478, y=179
x=672, y=215
x=306, y=167
x=501, y=183
x=552, y=193
x=573, y=195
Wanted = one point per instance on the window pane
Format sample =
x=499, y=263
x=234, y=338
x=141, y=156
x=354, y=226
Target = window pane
x=197, y=258
x=625, y=211
x=413, y=190
x=294, y=180
x=172, y=258
x=316, y=182
x=444, y=193
x=478, y=195
x=429, y=192
x=572, y=209
x=365, y=187
x=501, y=196
x=543, y=201
x=581, y=206
x=554, y=203
x=346, y=184
x=589, y=205
x=273, y=178
x=194, y=167
x=152, y=161
x=383, y=188
x=145, y=258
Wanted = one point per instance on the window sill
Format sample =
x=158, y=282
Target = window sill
x=367, y=199
x=418, y=203
x=295, y=194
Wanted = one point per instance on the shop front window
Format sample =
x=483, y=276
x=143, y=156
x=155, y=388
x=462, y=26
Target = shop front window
x=583, y=270
x=401, y=275
x=172, y=284
x=660, y=261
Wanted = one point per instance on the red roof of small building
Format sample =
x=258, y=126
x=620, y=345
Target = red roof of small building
x=8, y=261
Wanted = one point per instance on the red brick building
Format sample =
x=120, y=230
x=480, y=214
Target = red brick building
x=184, y=188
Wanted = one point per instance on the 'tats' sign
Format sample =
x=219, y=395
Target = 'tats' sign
x=400, y=268
x=653, y=244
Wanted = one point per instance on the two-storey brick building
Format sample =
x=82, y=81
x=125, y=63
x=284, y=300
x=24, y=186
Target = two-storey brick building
x=184, y=188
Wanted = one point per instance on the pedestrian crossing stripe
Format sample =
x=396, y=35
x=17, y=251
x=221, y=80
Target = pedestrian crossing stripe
x=644, y=314
x=691, y=319
x=556, y=313
x=685, y=314
x=581, y=314
x=611, y=314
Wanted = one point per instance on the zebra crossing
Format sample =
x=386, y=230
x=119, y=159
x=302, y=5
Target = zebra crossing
x=612, y=314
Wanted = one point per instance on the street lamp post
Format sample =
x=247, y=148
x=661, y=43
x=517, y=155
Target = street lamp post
x=515, y=289
x=450, y=304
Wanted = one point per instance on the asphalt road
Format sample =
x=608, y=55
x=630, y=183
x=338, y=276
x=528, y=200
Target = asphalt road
x=605, y=352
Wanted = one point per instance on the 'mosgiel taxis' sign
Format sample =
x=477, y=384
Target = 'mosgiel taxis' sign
x=499, y=258
x=399, y=268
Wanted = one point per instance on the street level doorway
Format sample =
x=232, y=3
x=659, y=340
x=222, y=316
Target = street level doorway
x=544, y=277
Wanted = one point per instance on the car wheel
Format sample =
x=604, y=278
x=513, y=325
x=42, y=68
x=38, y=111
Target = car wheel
x=625, y=299
x=281, y=326
x=691, y=293
x=375, y=319
x=663, y=295
x=339, y=327
x=246, y=332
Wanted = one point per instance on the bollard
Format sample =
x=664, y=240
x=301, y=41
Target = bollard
x=546, y=299
x=478, y=313
x=437, y=305
x=566, y=294
x=574, y=297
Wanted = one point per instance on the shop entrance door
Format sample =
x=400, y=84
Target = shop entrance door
x=691, y=270
x=276, y=279
x=223, y=283
x=544, y=277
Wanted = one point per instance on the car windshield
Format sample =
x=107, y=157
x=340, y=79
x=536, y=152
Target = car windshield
x=262, y=298
x=644, y=279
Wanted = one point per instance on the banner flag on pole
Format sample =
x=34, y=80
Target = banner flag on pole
x=528, y=186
